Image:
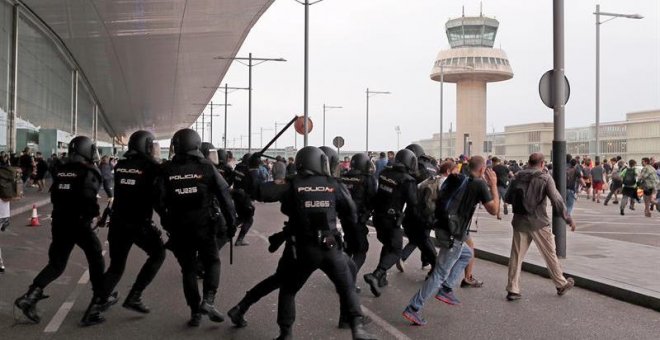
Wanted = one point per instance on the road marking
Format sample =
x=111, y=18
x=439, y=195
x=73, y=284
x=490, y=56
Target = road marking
x=618, y=233
x=393, y=331
x=59, y=317
x=61, y=314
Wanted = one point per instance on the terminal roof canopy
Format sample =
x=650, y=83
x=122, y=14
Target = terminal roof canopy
x=150, y=61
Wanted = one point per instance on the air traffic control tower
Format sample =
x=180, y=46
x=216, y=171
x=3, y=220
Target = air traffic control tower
x=471, y=62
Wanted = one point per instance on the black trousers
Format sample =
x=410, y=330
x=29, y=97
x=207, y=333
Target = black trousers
x=419, y=237
x=187, y=249
x=271, y=283
x=121, y=236
x=107, y=187
x=391, y=236
x=245, y=219
x=67, y=234
x=357, y=244
x=309, y=258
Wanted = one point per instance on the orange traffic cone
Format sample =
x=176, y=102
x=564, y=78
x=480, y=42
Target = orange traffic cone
x=34, y=221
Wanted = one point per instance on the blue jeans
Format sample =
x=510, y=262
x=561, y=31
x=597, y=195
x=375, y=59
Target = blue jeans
x=449, y=266
x=570, y=200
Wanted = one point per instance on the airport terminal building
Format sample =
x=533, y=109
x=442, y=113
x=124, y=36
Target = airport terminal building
x=105, y=68
x=636, y=137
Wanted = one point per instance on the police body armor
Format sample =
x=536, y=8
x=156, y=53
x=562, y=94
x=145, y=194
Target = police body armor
x=187, y=192
x=134, y=181
x=389, y=199
x=242, y=178
x=227, y=173
x=71, y=195
x=315, y=203
x=356, y=183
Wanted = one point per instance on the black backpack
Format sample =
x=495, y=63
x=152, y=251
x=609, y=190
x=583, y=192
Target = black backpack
x=451, y=224
x=629, y=177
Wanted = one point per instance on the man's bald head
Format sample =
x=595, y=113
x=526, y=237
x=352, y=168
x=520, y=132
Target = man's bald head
x=477, y=164
x=536, y=160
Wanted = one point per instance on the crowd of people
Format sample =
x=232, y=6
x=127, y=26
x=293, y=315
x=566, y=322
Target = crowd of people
x=204, y=197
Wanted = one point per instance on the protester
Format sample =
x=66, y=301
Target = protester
x=648, y=180
x=528, y=194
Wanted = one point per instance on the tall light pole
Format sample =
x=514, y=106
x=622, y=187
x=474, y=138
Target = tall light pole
x=325, y=108
x=306, y=3
x=261, y=136
x=397, y=129
x=211, y=105
x=612, y=16
x=250, y=64
x=369, y=95
x=276, y=130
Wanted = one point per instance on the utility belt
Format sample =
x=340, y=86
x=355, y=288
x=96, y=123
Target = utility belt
x=393, y=215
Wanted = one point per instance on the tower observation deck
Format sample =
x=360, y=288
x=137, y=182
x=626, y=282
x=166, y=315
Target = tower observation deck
x=471, y=62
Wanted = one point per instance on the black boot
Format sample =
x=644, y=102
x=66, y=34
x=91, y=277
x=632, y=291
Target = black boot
x=207, y=308
x=372, y=280
x=345, y=321
x=382, y=281
x=237, y=316
x=285, y=334
x=134, y=302
x=28, y=303
x=195, y=319
x=93, y=313
x=358, y=331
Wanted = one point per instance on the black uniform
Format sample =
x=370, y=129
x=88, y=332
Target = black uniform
x=188, y=185
x=245, y=182
x=417, y=231
x=312, y=204
x=363, y=190
x=131, y=222
x=73, y=194
x=396, y=187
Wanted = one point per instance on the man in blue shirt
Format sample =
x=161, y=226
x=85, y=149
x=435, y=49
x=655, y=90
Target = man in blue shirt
x=381, y=163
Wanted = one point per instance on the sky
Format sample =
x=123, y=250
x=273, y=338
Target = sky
x=391, y=45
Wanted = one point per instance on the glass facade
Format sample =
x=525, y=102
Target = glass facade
x=44, y=83
x=472, y=36
x=6, y=24
x=46, y=86
x=85, y=111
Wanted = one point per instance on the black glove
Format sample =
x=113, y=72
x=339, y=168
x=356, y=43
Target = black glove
x=276, y=240
x=231, y=231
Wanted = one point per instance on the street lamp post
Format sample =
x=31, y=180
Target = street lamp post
x=397, y=129
x=250, y=64
x=211, y=105
x=370, y=94
x=612, y=16
x=325, y=108
x=261, y=136
x=226, y=90
x=306, y=3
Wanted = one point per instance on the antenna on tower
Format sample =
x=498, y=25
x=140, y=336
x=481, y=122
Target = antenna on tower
x=463, y=10
x=481, y=8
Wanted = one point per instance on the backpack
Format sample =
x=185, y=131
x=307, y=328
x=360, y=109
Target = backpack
x=10, y=182
x=629, y=177
x=428, y=195
x=450, y=225
x=516, y=196
x=616, y=175
x=571, y=178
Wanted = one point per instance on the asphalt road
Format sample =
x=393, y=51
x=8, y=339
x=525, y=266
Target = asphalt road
x=484, y=314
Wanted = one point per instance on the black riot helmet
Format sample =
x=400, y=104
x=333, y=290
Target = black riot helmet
x=187, y=142
x=205, y=148
x=361, y=162
x=246, y=158
x=222, y=156
x=82, y=149
x=333, y=159
x=417, y=149
x=406, y=158
x=140, y=143
x=311, y=160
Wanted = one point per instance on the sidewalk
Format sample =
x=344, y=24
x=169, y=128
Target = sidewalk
x=623, y=270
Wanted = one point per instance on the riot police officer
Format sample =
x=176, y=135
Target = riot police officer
x=362, y=185
x=313, y=203
x=224, y=232
x=416, y=229
x=187, y=187
x=396, y=188
x=246, y=179
x=131, y=223
x=73, y=195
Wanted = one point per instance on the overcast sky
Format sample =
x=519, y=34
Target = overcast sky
x=390, y=45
